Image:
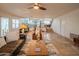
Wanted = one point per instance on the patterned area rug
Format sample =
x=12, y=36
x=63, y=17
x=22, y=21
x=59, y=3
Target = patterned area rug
x=52, y=50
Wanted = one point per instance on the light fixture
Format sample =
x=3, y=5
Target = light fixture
x=36, y=7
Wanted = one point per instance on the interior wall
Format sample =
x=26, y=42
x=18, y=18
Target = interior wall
x=56, y=25
x=66, y=24
x=0, y=27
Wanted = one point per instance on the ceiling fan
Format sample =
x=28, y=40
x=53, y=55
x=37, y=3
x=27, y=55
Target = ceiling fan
x=37, y=6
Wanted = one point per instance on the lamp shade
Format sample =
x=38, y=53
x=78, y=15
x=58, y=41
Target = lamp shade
x=22, y=26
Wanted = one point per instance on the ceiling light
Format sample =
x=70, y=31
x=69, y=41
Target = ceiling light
x=36, y=7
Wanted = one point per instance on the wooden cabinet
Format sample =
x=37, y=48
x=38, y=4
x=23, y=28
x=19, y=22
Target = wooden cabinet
x=75, y=38
x=76, y=41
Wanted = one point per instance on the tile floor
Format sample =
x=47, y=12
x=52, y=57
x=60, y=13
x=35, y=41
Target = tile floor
x=57, y=45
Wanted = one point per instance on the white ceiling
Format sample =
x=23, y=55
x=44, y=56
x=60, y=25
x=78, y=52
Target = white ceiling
x=53, y=9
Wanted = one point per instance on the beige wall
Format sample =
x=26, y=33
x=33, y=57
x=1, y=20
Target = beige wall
x=66, y=24
x=0, y=27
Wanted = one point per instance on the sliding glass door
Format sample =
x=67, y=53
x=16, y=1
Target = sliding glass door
x=4, y=25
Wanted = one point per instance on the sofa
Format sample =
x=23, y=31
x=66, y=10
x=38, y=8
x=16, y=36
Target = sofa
x=12, y=45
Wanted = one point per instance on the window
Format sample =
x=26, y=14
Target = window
x=34, y=22
x=46, y=21
x=4, y=25
x=15, y=23
x=24, y=20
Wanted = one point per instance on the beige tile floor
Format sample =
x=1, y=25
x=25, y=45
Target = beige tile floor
x=64, y=45
x=57, y=45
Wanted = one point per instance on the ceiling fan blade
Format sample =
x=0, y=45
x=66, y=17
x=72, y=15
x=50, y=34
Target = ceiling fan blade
x=42, y=8
x=36, y=5
x=30, y=7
